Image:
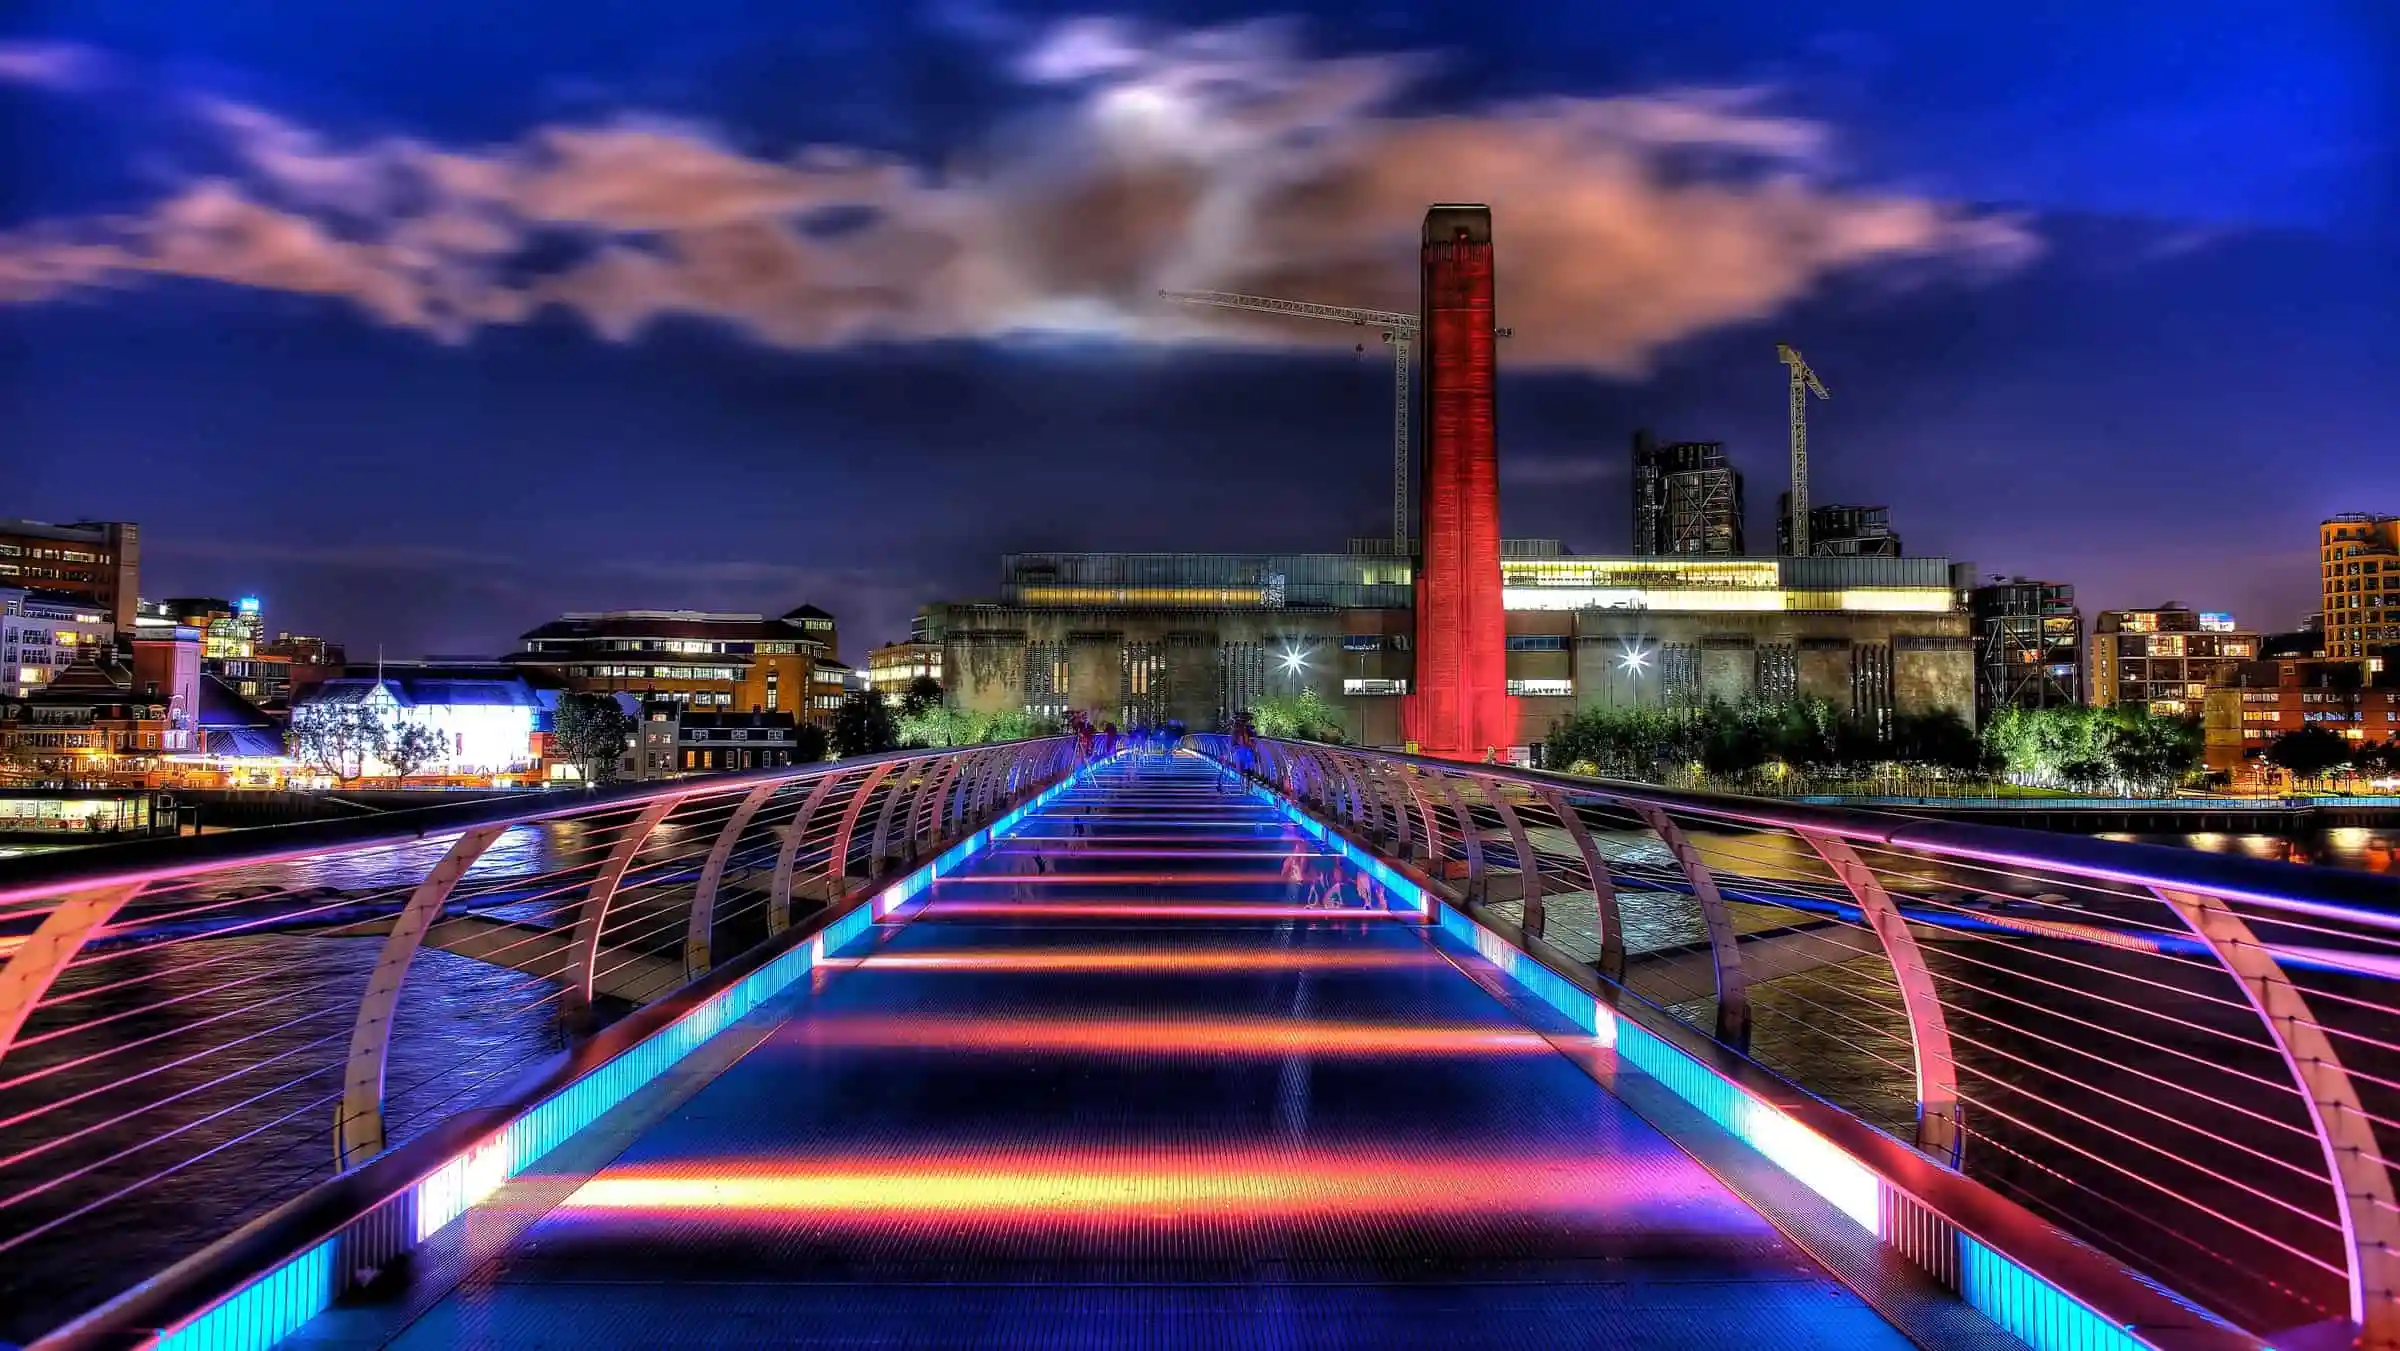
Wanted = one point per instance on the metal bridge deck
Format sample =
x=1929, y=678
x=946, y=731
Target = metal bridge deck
x=1111, y=1088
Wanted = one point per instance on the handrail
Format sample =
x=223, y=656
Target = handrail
x=188, y=1015
x=164, y=858
x=2188, y=1060
x=2364, y=896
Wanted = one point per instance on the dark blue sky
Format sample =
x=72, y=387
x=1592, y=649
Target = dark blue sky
x=426, y=321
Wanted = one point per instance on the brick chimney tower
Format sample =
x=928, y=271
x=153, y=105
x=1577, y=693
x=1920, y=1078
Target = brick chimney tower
x=1459, y=706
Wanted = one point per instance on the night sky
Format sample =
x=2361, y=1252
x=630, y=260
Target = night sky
x=428, y=320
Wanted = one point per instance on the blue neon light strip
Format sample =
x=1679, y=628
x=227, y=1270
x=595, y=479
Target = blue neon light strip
x=264, y=1312
x=2031, y=1308
x=274, y=1306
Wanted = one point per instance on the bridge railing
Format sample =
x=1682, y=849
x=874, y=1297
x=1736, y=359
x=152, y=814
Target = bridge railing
x=183, y=1020
x=2188, y=1061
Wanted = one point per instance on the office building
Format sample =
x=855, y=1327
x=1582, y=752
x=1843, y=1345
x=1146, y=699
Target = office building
x=892, y=668
x=2257, y=701
x=729, y=743
x=1845, y=532
x=2359, y=566
x=1687, y=498
x=1143, y=639
x=743, y=663
x=104, y=717
x=96, y=561
x=43, y=633
x=233, y=645
x=229, y=629
x=1459, y=705
x=2164, y=659
x=307, y=661
x=2028, y=645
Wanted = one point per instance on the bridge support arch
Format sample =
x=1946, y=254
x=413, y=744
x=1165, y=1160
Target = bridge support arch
x=2362, y=1184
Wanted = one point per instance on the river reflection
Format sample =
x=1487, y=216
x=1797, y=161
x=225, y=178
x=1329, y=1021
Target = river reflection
x=2358, y=848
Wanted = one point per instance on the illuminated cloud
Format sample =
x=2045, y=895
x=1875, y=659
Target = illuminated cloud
x=52, y=65
x=1221, y=158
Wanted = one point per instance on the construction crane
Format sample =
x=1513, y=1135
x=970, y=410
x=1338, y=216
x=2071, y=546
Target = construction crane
x=1804, y=383
x=1399, y=333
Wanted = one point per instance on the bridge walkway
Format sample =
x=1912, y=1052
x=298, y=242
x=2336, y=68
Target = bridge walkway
x=1116, y=1084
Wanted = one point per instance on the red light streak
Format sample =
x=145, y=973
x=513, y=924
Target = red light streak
x=1171, y=1036
x=1107, y=1188
x=1096, y=960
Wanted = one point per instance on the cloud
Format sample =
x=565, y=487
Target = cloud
x=1220, y=158
x=48, y=65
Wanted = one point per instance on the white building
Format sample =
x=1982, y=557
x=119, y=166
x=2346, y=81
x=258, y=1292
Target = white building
x=43, y=632
x=485, y=723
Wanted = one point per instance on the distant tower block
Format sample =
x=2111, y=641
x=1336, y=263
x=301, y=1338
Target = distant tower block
x=1459, y=706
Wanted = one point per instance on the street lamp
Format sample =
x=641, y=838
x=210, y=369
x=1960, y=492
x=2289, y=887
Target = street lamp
x=1633, y=662
x=1292, y=662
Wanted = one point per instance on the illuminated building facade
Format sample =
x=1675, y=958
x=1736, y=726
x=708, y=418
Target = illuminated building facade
x=233, y=645
x=1459, y=705
x=96, y=561
x=1198, y=638
x=484, y=717
x=743, y=663
x=894, y=666
x=2028, y=645
x=43, y=633
x=2359, y=566
x=2258, y=701
x=1687, y=498
x=2164, y=659
x=105, y=718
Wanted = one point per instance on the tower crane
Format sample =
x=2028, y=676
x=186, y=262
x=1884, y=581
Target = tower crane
x=1804, y=383
x=1399, y=333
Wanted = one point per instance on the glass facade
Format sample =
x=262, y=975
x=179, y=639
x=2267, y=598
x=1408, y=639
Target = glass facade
x=1204, y=581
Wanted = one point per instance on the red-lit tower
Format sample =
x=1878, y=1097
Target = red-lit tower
x=1460, y=706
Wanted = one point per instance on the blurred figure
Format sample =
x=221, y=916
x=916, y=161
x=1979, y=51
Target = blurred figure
x=2379, y=854
x=1295, y=880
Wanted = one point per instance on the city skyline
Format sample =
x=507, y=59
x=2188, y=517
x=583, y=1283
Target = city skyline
x=428, y=364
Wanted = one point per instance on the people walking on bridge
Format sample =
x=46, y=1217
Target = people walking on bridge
x=1295, y=879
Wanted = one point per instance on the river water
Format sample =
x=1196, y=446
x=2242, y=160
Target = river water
x=2352, y=847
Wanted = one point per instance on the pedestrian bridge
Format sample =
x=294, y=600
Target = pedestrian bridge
x=1229, y=1045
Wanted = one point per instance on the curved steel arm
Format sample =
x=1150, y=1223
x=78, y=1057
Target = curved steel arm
x=358, y=1133
x=1529, y=865
x=32, y=968
x=779, y=891
x=2362, y=1186
x=592, y=917
x=898, y=804
x=1397, y=794
x=702, y=928
x=1611, y=936
x=1928, y=1029
x=932, y=806
x=1724, y=948
x=1470, y=839
x=1413, y=783
x=837, y=864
